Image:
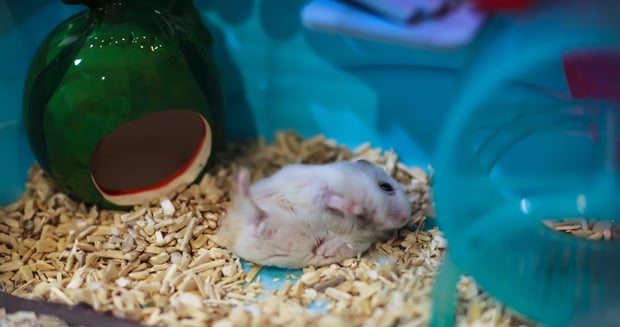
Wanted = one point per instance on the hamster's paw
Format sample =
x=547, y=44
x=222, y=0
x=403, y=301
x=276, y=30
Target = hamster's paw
x=344, y=206
x=333, y=250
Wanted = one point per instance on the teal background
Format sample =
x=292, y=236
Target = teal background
x=279, y=75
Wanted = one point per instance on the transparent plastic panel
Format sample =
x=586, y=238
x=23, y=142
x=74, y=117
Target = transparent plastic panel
x=506, y=163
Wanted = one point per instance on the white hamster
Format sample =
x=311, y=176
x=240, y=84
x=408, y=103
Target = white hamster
x=312, y=215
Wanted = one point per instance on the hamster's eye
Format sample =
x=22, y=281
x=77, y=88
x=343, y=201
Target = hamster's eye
x=387, y=187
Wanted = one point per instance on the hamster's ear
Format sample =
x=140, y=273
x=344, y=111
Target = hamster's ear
x=242, y=184
x=363, y=162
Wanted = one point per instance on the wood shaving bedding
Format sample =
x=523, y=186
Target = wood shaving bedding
x=157, y=265
x=586, y=228
x=27, y=319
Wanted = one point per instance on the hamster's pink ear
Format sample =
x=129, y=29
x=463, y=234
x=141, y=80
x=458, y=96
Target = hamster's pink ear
x=243, y=182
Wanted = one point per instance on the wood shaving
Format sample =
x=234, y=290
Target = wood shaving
x=27, y=319
x=586, y=228
x=157, y=265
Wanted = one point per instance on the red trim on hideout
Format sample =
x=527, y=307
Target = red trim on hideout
x=116, y=191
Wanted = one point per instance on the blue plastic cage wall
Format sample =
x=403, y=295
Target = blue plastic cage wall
x=280, y=75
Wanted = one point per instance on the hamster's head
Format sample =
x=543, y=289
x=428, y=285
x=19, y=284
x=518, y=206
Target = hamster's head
x=389, y=205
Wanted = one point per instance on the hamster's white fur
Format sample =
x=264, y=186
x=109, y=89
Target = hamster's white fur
x=315, y=215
